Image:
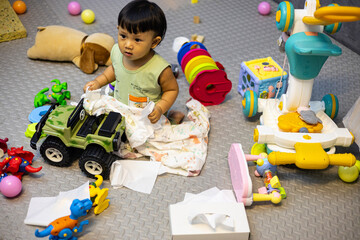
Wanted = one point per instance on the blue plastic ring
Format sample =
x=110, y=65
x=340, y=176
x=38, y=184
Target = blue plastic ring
x=37, y=113
x=187, y=47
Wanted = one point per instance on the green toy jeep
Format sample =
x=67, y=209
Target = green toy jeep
x=69, y=127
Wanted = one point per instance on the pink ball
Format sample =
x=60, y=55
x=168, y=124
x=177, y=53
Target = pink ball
x=264, y=8
x=74, y=8
x=10, y=186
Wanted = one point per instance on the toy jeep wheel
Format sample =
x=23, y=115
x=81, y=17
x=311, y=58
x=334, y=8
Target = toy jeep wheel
x=54, y=151
x=96, y=161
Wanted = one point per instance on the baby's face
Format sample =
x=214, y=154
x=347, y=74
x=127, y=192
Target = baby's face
x=135, y=47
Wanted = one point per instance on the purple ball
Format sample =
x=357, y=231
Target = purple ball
x=74, y=8
x=10, y=186
x=264, y=8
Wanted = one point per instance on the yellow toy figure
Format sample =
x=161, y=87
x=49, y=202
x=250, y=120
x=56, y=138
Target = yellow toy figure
x=98, y=196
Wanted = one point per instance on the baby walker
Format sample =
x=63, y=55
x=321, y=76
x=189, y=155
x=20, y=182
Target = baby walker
x=294, y=123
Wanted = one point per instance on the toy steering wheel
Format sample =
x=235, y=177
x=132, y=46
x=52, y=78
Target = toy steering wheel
x=332, y=14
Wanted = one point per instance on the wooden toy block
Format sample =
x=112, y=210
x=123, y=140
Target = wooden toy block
x=200, y=38
x=275, y=183
x=193, y=37
x=196, y=19
x=11, y=27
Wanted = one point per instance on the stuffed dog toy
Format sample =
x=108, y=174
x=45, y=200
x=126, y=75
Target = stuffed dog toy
x=59, y=43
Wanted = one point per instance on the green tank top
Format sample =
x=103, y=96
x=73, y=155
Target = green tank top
x=138, y=84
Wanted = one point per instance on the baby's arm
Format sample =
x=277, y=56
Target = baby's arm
x=108, y=76
x=170, y=91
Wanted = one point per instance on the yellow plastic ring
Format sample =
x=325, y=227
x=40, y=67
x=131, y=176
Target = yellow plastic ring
x=314, y=21
x=334, y=14
x=201, y=67
x=195, y=62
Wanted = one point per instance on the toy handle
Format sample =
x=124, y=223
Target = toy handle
x=250, y=157
x=343, y=159
x=280, y=158
x=333, y=14
x=274, y=197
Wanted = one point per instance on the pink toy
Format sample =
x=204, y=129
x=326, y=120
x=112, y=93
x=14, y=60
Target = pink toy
x=74, y=8
x=241, y=180
x=10, y=186
x=264, y=8
x=239, y=173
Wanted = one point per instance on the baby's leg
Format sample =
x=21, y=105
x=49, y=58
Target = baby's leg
x=175, y=117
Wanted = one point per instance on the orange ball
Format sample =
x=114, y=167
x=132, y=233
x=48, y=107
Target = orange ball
x=19, y=7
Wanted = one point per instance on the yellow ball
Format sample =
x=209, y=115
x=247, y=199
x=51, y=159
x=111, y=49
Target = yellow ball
x=357, y=164
x=88, y=16
x=348, y=174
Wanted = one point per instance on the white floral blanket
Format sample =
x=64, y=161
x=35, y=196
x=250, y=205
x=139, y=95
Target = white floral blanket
x=181, y=148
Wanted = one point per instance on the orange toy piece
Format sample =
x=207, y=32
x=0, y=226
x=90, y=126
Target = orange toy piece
x=291, y=122
x=61, y=223
x=19, y=7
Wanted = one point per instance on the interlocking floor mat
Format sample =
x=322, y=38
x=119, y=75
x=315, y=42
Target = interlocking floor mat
x=318, y=204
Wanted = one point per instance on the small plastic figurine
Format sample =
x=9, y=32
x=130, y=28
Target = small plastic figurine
x=41, y=98
x=18, y=163
x=3, y=144
x=64, y=227
x=98, y=196
x=263, y=167
x=57, y=94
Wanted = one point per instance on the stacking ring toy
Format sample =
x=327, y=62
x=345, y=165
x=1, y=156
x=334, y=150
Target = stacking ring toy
x=191, y=54
x=200, y=68
x=210, y=87
x=187, y=47
x=208, y=84
x=196, y=61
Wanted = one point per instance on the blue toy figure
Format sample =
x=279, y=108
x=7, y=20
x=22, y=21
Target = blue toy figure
x=265, y=166
x=64, y=227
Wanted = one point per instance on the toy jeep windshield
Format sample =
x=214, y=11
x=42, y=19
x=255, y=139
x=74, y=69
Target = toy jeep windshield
x=69, y=127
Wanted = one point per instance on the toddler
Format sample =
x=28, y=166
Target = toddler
x=140, y=74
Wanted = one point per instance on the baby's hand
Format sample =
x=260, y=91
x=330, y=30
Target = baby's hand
x=92, y=85
x=155, y=115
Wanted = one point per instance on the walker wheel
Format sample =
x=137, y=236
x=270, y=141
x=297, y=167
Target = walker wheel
x=285, y=16
x=250, y=103
x=335, y=27
x=331, y=105
x=332, y=28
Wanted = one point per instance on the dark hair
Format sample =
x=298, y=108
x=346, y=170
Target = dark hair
x=142, y=16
